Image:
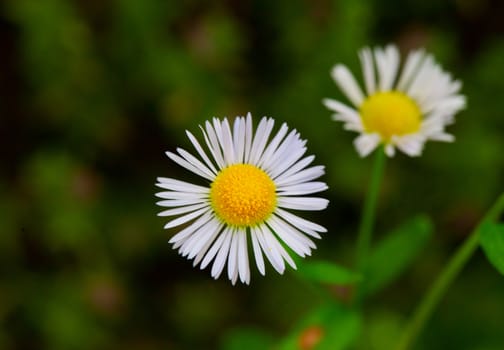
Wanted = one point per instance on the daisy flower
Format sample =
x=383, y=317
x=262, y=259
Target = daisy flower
x=401, y=108
x=252, y=184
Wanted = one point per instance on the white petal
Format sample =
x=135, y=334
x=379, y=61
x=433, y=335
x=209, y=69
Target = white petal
x=215, y=248
x=303, y=203
x=182, y=210
x=300, y=244
x=182, y=195
x=257, y=250
x=233, y=257
x=200, y=151
x=204, y=249
x=239, y=139
x=366, y=59
x=248, y=137
x=177, y=185
x=306, y=226
x=301, y=176
x=184, y=163
x=303, y=188
x=300, y=165
x=390, y=150
x=277, y=247
x=411, y=145
x=213, y=144
x=273, y=145
x=444, y=137
x=366, y=143
x=410, y=68
x=220, y=259
x=261, y=137
x=273, y=255
x=347, y=84
x=243, y=261
x=345, y=113
x=208, y=233
x=189, y=230
x=180, y=202
x=227, y=143
x=387, y=62
x=188, y=217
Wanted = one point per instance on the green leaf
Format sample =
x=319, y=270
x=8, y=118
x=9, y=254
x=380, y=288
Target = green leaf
x=492, y=241
x=396, y=252
x=326, y=272
x=336, y=327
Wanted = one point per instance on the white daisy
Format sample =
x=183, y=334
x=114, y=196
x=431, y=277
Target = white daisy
x=252, y=183
x=400, y=109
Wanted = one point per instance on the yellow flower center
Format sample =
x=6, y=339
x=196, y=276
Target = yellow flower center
x=390, y=113
x=243, y=195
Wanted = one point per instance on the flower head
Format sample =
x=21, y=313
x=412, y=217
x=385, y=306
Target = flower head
x=253, y=182
x=399, y=110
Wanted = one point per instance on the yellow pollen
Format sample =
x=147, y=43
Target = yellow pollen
x=243, y=195
x=390, y=113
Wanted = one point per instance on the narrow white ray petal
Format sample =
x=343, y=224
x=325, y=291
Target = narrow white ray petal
x=425, y=69
x=243, y=261
x=227, y=143
x=189, y=230
x=387, y=62
x=290, y=238
x=198, y=237
x=299, y=222
x=293, y=232
x=179, y=202
x=287, y=161
x=195, y=162
x=177, y=185
x=301, y=176
x=220, y=259
x=181, y=195
x=184, y=163
x=248, y=138
x=214, y=249
x=300, y=165
x=441, y=136
x=232, y=265
x=260, y=139
x=239, y=138
x=302, y=189
x=182, y=210
x=346, y=81
x=272, y=241
x=209, y=242
x=302, y=203
x=188, y=217
x=273, y=145
x=390, y=150
x=290, y=143
x=213, y=144
x=200, y=151
x=411, y=145
x=273, y=255
x=367, y=64
x=346, y=113
x=366, y=143
x=208, y=234
x=410, y=67
x=257, y=250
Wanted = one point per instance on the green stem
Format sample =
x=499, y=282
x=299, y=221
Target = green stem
x=368, y=215
x=445, y=279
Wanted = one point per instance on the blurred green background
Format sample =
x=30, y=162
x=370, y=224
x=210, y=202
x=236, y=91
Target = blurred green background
x=92, y=92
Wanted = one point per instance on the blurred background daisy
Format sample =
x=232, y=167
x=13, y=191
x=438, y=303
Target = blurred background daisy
x=92, y=93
